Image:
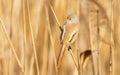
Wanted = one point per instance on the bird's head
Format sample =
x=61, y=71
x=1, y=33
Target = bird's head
x=72, y=18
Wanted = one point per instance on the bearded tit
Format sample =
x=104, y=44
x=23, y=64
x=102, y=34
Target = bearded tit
x=69, y=33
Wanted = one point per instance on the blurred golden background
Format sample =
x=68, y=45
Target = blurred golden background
x=30, y=37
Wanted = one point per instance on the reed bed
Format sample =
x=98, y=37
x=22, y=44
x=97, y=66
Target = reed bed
x=30, y=32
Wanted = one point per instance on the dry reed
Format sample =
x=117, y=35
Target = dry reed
x=30, y=37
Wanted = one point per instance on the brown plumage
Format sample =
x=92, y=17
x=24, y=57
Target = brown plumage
x=69, y=33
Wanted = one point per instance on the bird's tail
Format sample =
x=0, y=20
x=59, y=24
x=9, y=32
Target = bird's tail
x=61, y=55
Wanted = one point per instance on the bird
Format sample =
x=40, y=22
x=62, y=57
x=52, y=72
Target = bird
x=69, y=32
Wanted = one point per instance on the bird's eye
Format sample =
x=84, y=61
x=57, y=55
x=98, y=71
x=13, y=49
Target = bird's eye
x=69, y=18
